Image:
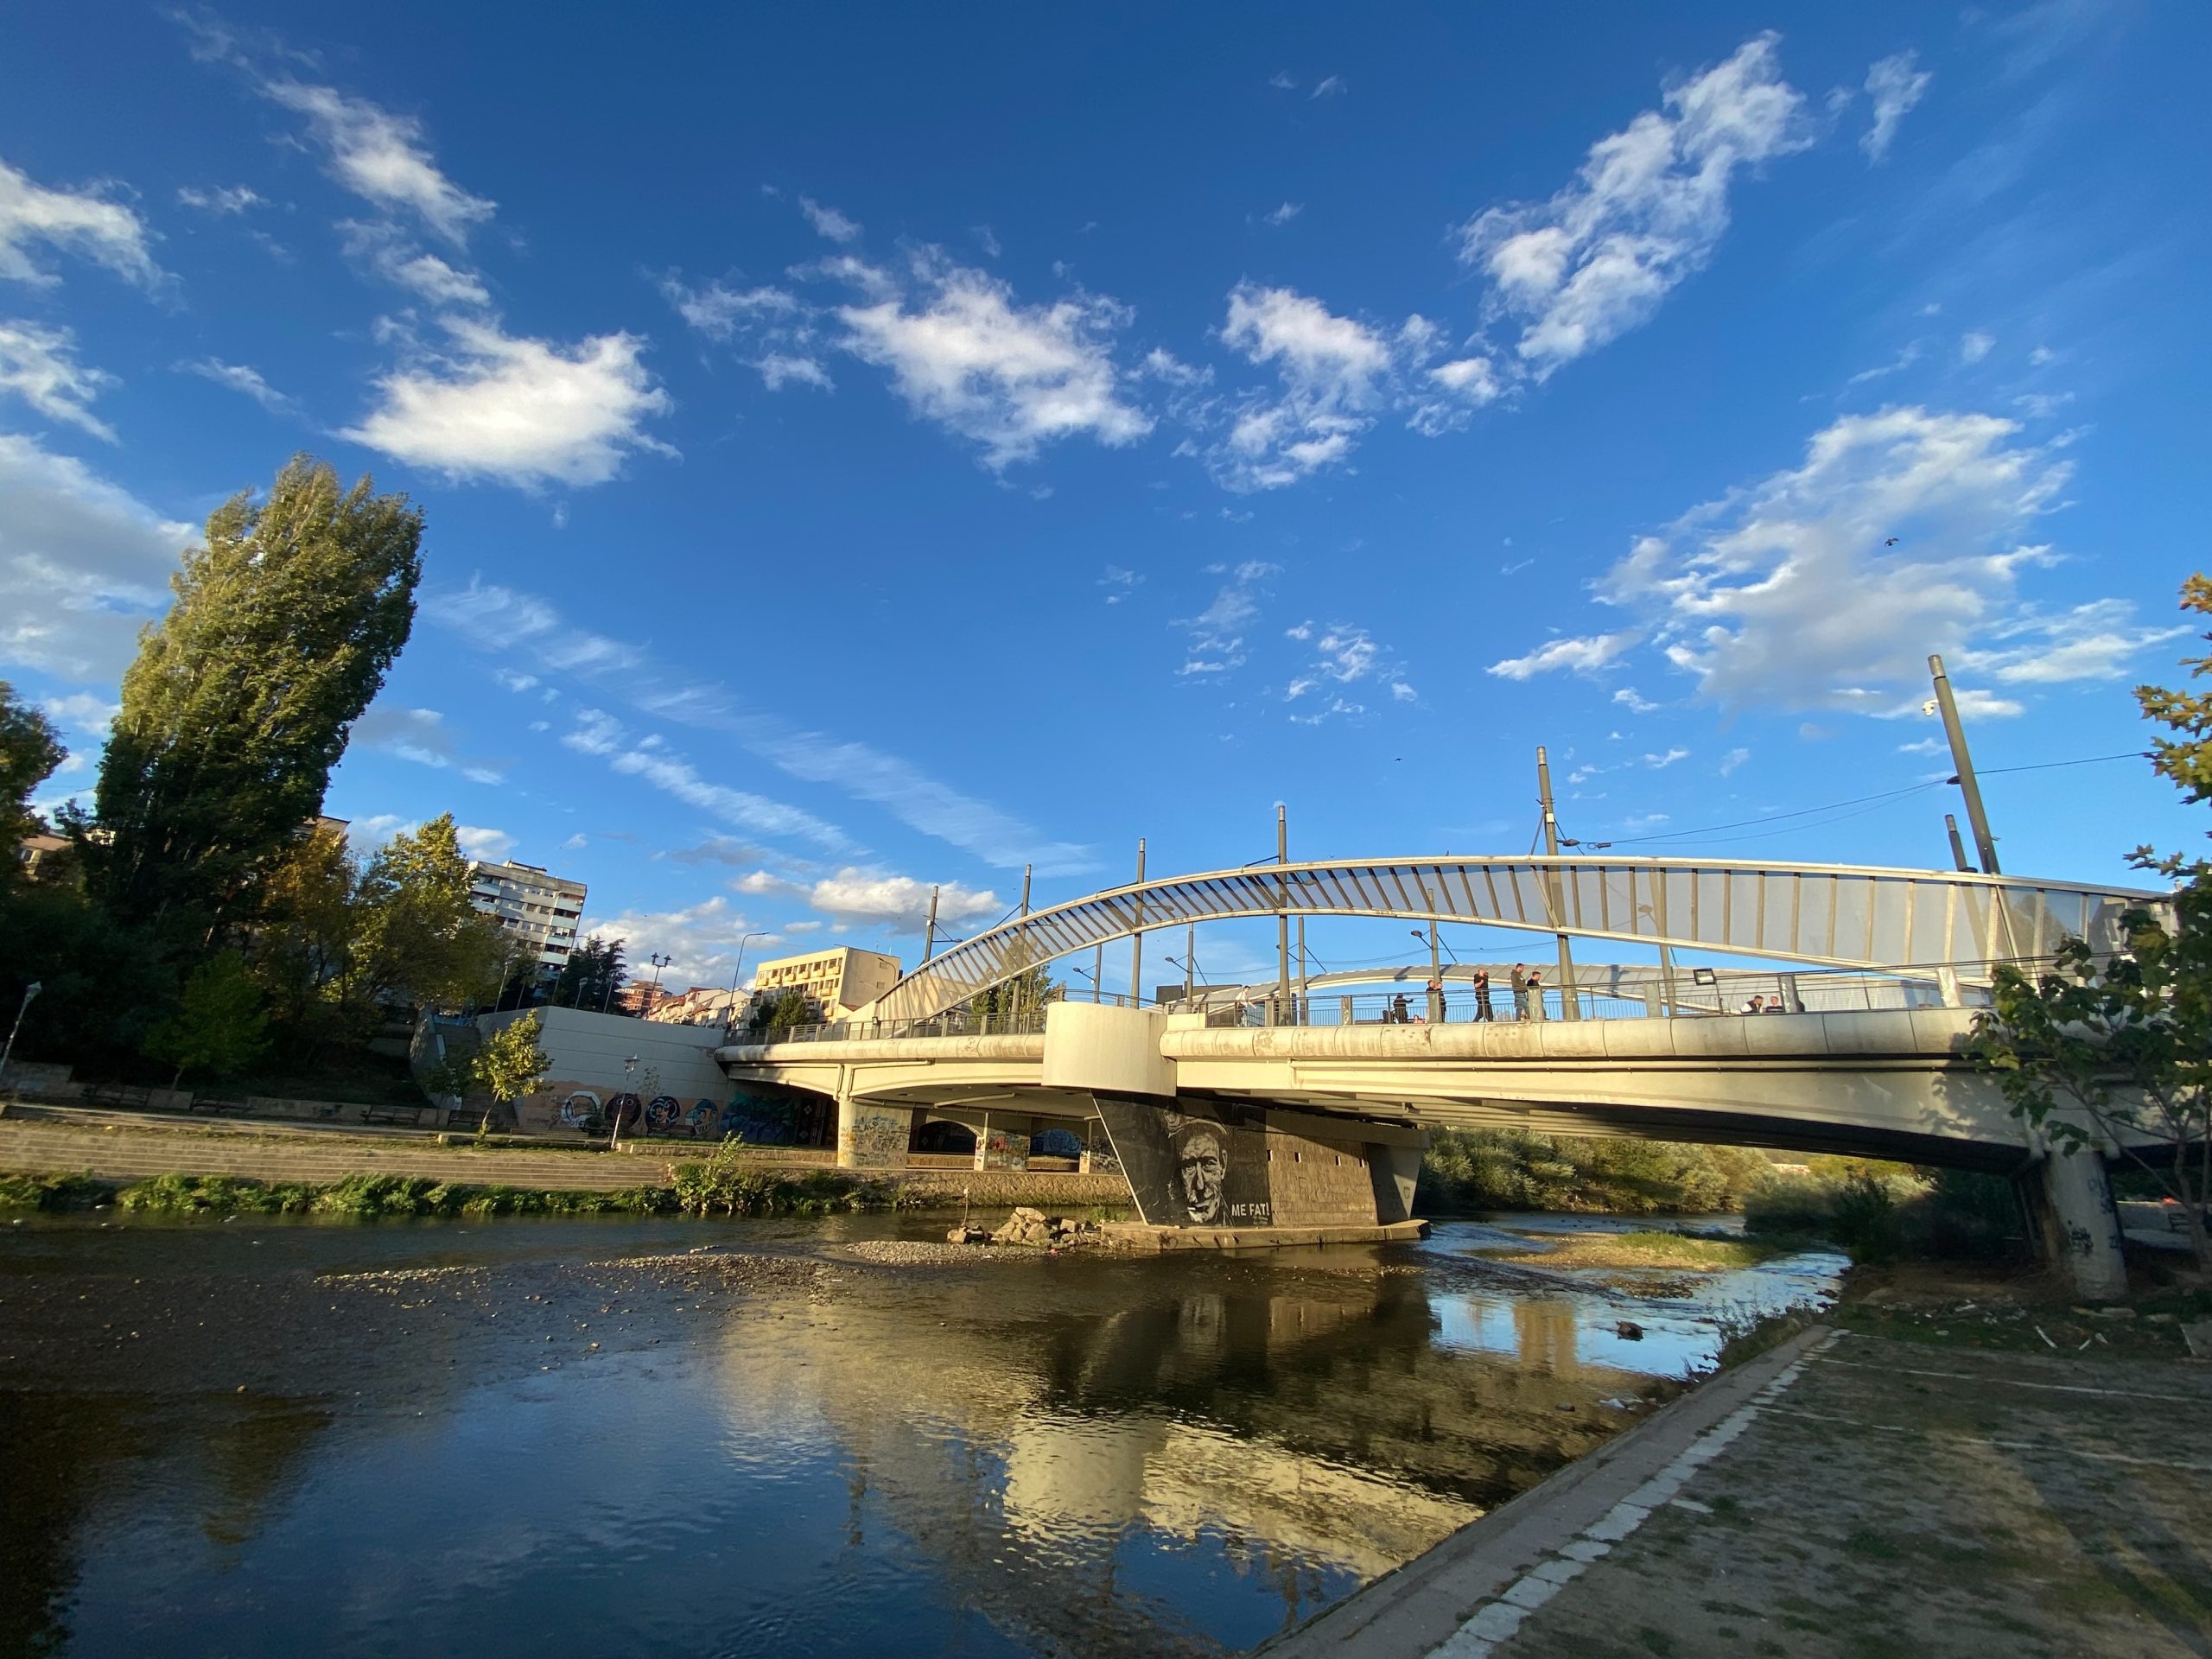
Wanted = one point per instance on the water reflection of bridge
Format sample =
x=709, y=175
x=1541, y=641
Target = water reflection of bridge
x=1304, y=1426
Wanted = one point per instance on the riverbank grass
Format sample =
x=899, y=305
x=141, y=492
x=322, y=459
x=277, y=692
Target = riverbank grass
x=1694, y=1252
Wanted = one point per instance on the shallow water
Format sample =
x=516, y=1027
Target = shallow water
x=250, y=1438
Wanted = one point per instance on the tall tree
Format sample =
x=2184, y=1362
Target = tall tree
x=421, y=942
x=305, y=937
x=241, y=698
x=592, y=977
x=218, y=1024
x=29, y=751
x=2120, y=1047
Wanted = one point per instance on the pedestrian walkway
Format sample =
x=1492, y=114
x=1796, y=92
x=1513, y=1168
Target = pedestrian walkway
x=1846, y=1495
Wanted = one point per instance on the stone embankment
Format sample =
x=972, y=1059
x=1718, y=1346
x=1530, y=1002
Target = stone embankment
x=122, y=1151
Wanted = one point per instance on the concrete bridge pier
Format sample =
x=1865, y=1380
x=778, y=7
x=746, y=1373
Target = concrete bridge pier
x=2074, y=1209
x=870, y=1135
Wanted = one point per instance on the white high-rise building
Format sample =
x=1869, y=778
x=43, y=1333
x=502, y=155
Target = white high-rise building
x=542, y=909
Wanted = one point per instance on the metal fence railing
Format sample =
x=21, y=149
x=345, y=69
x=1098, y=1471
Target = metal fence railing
x=1682, y=994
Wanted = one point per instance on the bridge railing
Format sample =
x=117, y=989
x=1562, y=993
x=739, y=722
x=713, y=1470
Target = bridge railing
x=1686, y=994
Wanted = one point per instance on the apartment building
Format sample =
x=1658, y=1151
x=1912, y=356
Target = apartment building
x=540, y=909
x=703, y=1005
x=839, y=980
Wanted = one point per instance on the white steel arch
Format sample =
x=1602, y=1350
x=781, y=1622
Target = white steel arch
x=1821, y=915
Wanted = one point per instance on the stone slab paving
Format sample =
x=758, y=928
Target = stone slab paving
x=1850, y=1495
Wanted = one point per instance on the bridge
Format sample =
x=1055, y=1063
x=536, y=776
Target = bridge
x=1269, y=1106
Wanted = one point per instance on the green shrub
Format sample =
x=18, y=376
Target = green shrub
x=1512, y=1169
x=1879, y=1211
x=53, y=1191
x=227, y=1195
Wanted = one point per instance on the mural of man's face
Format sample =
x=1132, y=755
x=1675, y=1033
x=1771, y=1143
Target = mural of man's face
x=1200, y=1165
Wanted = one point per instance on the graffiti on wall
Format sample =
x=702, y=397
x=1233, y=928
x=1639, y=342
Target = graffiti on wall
x=876, y=1140
x=1202, y=1166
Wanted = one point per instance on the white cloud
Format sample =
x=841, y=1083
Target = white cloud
x=778, y=368
x=899, y=902
x=223, y=200
x=421, y=735
x=1973, y=347
x=1282, y=215
x=1333, y=373
x=519, y=410
x=380, y=157
x=1008, y=377
x=1895, y=86
x=1788, y=594
x=500, y=618
x=396, y=259
x=82, y=565
x=1905, y=360
x=1661, y=762
x=1217, y=633
x=513, y=680
x=1336, y=705
x=1732, y=759
x=81, y=711
x=87, y=224
x=828, y=221
x=1583, y=655
x=1634, y=701
x=1646, y=212
x=491, y=845
x=242, y=379
x=39, y=365
x=1119, y=583
x=719, y=312
x=701, y=940
x=1328, y=86
x=598, y=733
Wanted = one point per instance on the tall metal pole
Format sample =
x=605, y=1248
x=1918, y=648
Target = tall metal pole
x=928, y=935
x=1282, y=921
x=1136, y=939
x=1977, y=819
x=1027, y=987
x=1570, y=1005
x=1305, y=1004
x=1958, y=847
x=1435, y=975
x=1190, y=956
x=1098, y=975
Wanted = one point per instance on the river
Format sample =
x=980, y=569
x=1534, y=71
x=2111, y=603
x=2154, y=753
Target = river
x=555, y=1438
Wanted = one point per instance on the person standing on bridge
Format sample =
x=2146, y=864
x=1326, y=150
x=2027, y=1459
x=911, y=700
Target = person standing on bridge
x=1536, y=995
x=1482, y=994
x=1521, y=978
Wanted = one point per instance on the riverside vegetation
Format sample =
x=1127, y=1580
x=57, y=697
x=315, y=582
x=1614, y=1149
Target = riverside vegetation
x=713, y=1186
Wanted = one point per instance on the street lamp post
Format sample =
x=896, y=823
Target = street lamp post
x=629, y=1092
x=8, y=1054
x=729, y=1024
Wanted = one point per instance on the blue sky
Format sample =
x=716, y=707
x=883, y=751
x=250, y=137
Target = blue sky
x=866, y=450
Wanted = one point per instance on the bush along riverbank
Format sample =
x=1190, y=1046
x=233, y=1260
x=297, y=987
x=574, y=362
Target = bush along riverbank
x=1883, y=1212
x=1467, y=1171
x=697, y=1189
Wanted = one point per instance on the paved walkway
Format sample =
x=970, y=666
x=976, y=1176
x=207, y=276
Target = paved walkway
x=1847, y=1496
x=116, y=1146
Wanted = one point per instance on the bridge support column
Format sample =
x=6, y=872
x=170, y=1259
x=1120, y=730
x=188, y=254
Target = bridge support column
x=870, y=1136
x=1003, y=1144
x=2080, y=1226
